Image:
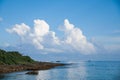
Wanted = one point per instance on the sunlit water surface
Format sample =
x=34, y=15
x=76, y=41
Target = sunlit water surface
x=85, y=70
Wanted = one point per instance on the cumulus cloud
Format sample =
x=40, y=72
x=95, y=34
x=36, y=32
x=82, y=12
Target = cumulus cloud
x=46, y=40
x=76, y=39
x=40, y=27
x=21, y=29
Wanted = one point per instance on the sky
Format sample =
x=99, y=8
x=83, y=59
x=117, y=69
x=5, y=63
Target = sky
x=61, y=29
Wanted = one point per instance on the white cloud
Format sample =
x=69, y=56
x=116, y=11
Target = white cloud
x=21, y=29
x=76, y=39
x=40, y=27
x=45, y=40
x=37, y=42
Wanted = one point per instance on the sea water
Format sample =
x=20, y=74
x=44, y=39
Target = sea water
x=83, y=70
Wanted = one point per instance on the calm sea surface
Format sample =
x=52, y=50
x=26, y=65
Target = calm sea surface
x=89, y=70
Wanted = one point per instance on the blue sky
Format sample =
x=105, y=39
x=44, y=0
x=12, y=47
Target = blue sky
x=99, y=20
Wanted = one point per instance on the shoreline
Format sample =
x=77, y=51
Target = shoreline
x=28, y=67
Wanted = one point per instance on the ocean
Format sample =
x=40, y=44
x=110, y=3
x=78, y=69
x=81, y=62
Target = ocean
x=82, y=70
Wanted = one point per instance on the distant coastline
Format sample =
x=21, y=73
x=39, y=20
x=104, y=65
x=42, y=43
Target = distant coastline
x=13, y=61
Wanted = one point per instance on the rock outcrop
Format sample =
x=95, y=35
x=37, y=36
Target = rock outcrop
x=14, y=61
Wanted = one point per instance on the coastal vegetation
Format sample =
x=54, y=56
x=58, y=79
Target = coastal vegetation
x=11, y=61
x=13, y=57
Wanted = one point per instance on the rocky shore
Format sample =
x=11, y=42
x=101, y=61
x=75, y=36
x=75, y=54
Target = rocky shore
x=32, y=67
x=12, y=61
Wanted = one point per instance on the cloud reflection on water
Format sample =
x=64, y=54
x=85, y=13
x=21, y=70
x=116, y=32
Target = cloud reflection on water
x=43, y=75
x=72, y=72
x=78, y=72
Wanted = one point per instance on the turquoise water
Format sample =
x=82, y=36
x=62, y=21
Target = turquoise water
x=89, y=70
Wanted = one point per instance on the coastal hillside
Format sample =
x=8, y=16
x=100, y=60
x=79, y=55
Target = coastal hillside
x=13, y=57
x=11, y=61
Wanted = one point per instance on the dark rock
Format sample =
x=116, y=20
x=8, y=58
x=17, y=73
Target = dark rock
x=32, y=72
x=57, y=61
